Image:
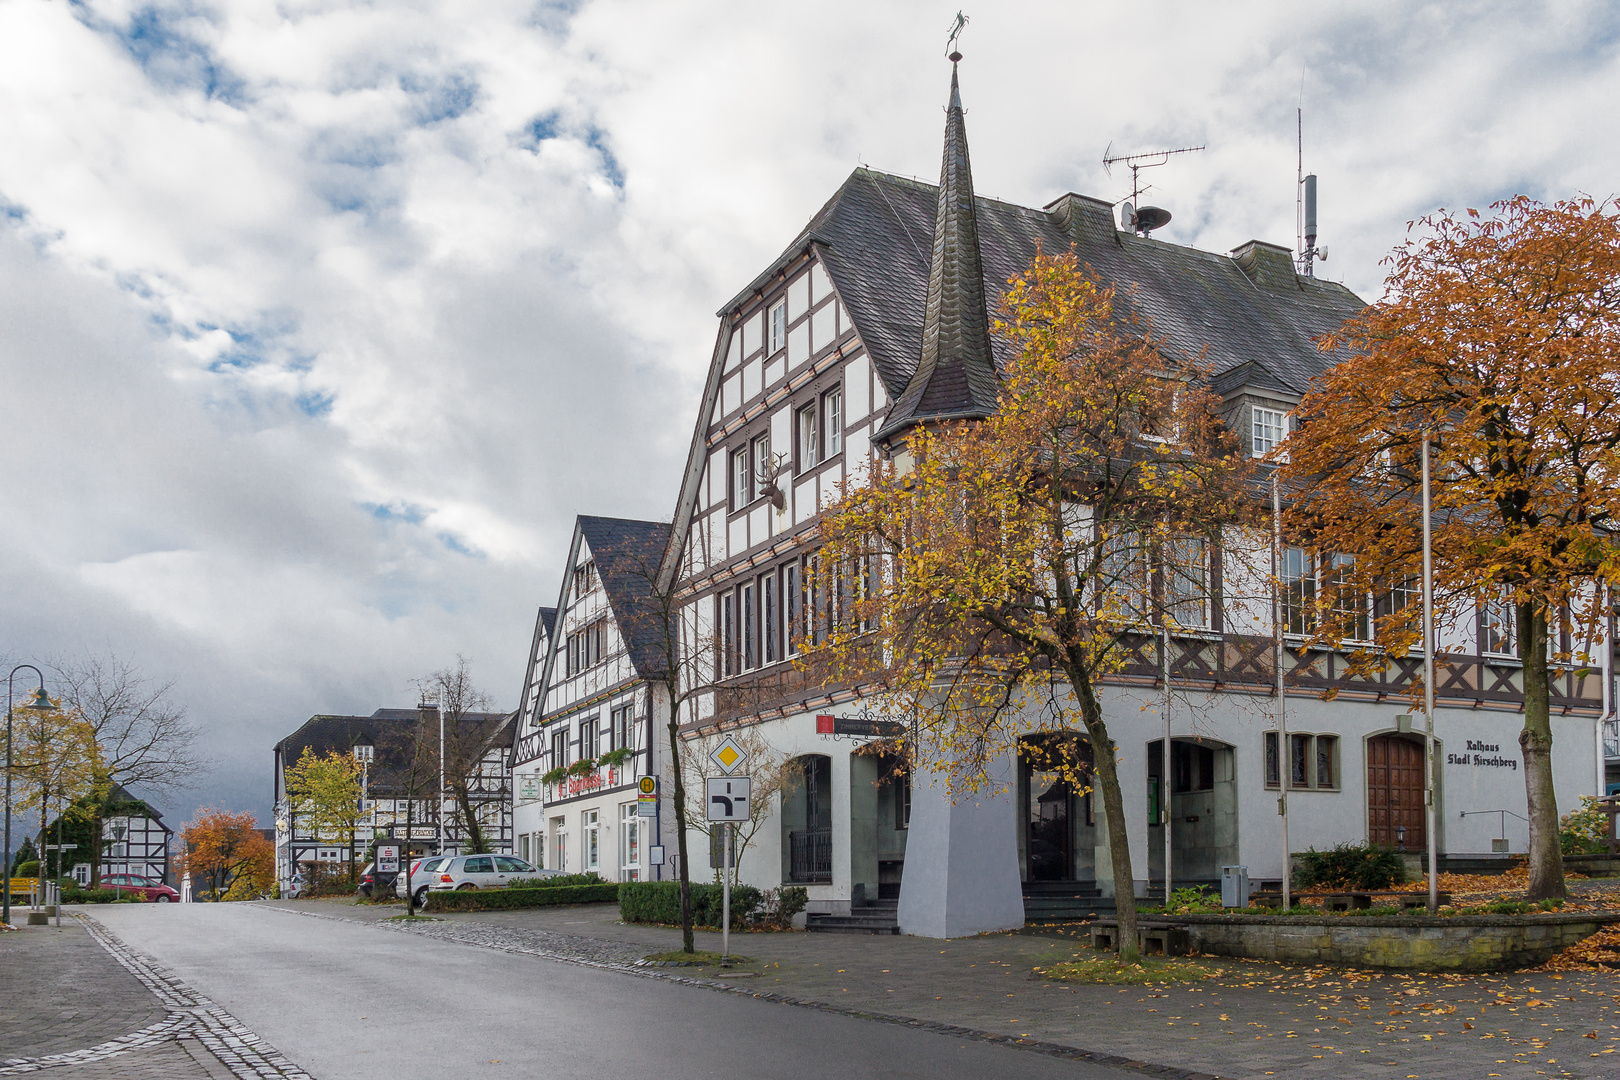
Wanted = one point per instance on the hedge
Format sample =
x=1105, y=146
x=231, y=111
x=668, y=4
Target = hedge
x=501, y=899
x=1349, y=866
x=557, y=881
x=660, y=902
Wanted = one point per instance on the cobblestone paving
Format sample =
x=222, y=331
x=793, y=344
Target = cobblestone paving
x=193, y=1037
x=1253, y=1021
x=54, y=1014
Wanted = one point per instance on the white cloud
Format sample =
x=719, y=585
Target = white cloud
x=324, y=319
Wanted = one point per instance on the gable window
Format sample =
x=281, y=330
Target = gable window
x=623, y=727
x=559, y=748
x=1268, y=428
x=587, y=738
x=742, y=480
x=585, y=647
x=1312, y=761
x=778, y=327
x=584, y=579
x=832, y=414
x=809, y=440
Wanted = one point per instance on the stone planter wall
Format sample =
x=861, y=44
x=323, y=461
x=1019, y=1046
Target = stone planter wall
x=1473, y=943
x=1594, y=865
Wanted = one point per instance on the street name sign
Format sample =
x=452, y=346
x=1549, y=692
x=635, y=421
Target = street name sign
x=728, y=797
x=729, y=756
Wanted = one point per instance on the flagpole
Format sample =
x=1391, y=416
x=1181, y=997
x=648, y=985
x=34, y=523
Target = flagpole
x=1282, y=707
x=1428, y=690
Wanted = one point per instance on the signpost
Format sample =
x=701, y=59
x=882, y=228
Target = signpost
x=647, y=797
x=727, y=801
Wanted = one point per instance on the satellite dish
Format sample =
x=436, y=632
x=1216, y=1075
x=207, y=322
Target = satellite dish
x=1149, y=218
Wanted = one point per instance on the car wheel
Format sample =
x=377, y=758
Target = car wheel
x=162, y=899
x=465, y=887
x=421, y=896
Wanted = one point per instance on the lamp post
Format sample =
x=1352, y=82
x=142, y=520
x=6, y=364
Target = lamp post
x=39, y=703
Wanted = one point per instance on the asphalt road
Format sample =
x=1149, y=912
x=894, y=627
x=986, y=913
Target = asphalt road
x=345, y=1001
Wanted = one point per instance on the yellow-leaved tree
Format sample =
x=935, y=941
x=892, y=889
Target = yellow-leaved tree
x=323, y=793
x=984, y=592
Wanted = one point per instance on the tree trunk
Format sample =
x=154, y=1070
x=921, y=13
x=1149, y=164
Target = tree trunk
x=680, y=825
x=96, y=845
x=1105, y=772
x=476, y=840
x=1535, y=743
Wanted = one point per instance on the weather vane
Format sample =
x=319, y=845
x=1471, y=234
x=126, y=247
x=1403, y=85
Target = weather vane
x=951, y=51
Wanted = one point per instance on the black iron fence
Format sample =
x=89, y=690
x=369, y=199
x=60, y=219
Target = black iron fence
x=810, y=856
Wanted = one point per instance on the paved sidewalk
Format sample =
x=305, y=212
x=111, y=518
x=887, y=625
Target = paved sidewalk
x=1255, y=1020
x=82, y=1003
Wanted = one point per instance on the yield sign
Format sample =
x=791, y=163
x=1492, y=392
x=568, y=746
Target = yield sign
x=729, y=756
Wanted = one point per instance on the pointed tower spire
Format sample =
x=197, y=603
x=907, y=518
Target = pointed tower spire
x=956, y=375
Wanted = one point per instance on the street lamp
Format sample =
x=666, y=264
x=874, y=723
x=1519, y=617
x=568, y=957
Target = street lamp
x=39, y=703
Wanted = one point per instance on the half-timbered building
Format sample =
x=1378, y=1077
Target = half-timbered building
x=876, y=319
x=135, y=841
x=593, y=716
x=401, y=794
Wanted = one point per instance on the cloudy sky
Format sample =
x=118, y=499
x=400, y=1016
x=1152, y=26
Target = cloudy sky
x=320, y=321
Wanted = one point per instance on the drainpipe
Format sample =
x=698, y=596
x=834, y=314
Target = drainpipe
x=1608, y=689
x=1164, y=758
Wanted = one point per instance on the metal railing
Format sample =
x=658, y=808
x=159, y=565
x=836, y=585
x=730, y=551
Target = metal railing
x=810, y=856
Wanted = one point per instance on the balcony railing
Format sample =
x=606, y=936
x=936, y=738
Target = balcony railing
x=810, y=856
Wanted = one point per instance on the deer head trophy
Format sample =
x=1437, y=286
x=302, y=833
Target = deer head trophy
x=765, y=479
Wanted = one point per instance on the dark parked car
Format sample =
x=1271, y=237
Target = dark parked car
x=145, y=887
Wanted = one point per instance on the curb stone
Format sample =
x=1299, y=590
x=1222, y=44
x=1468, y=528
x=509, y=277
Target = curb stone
x=470, y=935
x=191, y=1016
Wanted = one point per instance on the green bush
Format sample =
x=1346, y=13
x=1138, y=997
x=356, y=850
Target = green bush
x=660, y=902
x=503, y=899
x=562, y=881
x=1584, y=830
x=28, y=869
x=1350, y=866
x=778, y=906
x=90, y=896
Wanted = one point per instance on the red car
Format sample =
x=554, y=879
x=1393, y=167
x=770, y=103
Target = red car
x=144, y=887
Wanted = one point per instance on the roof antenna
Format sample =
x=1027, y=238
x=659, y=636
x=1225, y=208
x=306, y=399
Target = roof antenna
x=952, y=53
x=1148, y=218
x=1305, y=208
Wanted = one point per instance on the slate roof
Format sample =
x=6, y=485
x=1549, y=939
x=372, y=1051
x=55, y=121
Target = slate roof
x=323, y=734
x=628, y=554
x=548, y=621
x=1254, y=318
x=955, y=376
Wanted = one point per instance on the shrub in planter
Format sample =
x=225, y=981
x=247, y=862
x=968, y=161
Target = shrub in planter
x=660, y=902
x=582, y=768
x=554, y=776
x=614, y=759
x=1350, y=866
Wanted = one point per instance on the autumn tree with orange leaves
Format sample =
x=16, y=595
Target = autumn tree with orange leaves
x=226, y=849
x=985, y=591
x=1499, y=336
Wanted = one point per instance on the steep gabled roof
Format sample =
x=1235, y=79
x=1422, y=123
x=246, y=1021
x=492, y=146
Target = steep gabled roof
x=628, y=553
x=955, y=376
x=384, y=729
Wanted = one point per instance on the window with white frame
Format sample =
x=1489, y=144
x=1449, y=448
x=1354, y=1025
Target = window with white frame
x=1186, y=580
x=1312, y=761
x=742, y=480
x=559, y=843
x=726, y=621
x=559, y=747
x=747, y=604
x=1122, y=592
x=791, y=606
x=1499, y=626
x=586, y=647
x=523, y=846
x=1298, y=584
x=778, y=327
x=587, y=737
x=623, y=722
x=1268, y=427
x=769, y=619
x=809, y=439
x=832, y=416
x=1350, y=611
x=584, y=579
x=629, y=841
x=590, y=834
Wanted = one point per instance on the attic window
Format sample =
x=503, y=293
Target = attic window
x=1268, y=427
x=584, y=579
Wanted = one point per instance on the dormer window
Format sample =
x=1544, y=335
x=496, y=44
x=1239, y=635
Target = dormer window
x=778, y=328
x=1268, y=428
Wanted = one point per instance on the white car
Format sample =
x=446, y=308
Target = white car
x=481, y=872
x=420, y=874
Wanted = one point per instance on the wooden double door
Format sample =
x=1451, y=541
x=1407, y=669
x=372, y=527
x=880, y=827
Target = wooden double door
x=1395, y=793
